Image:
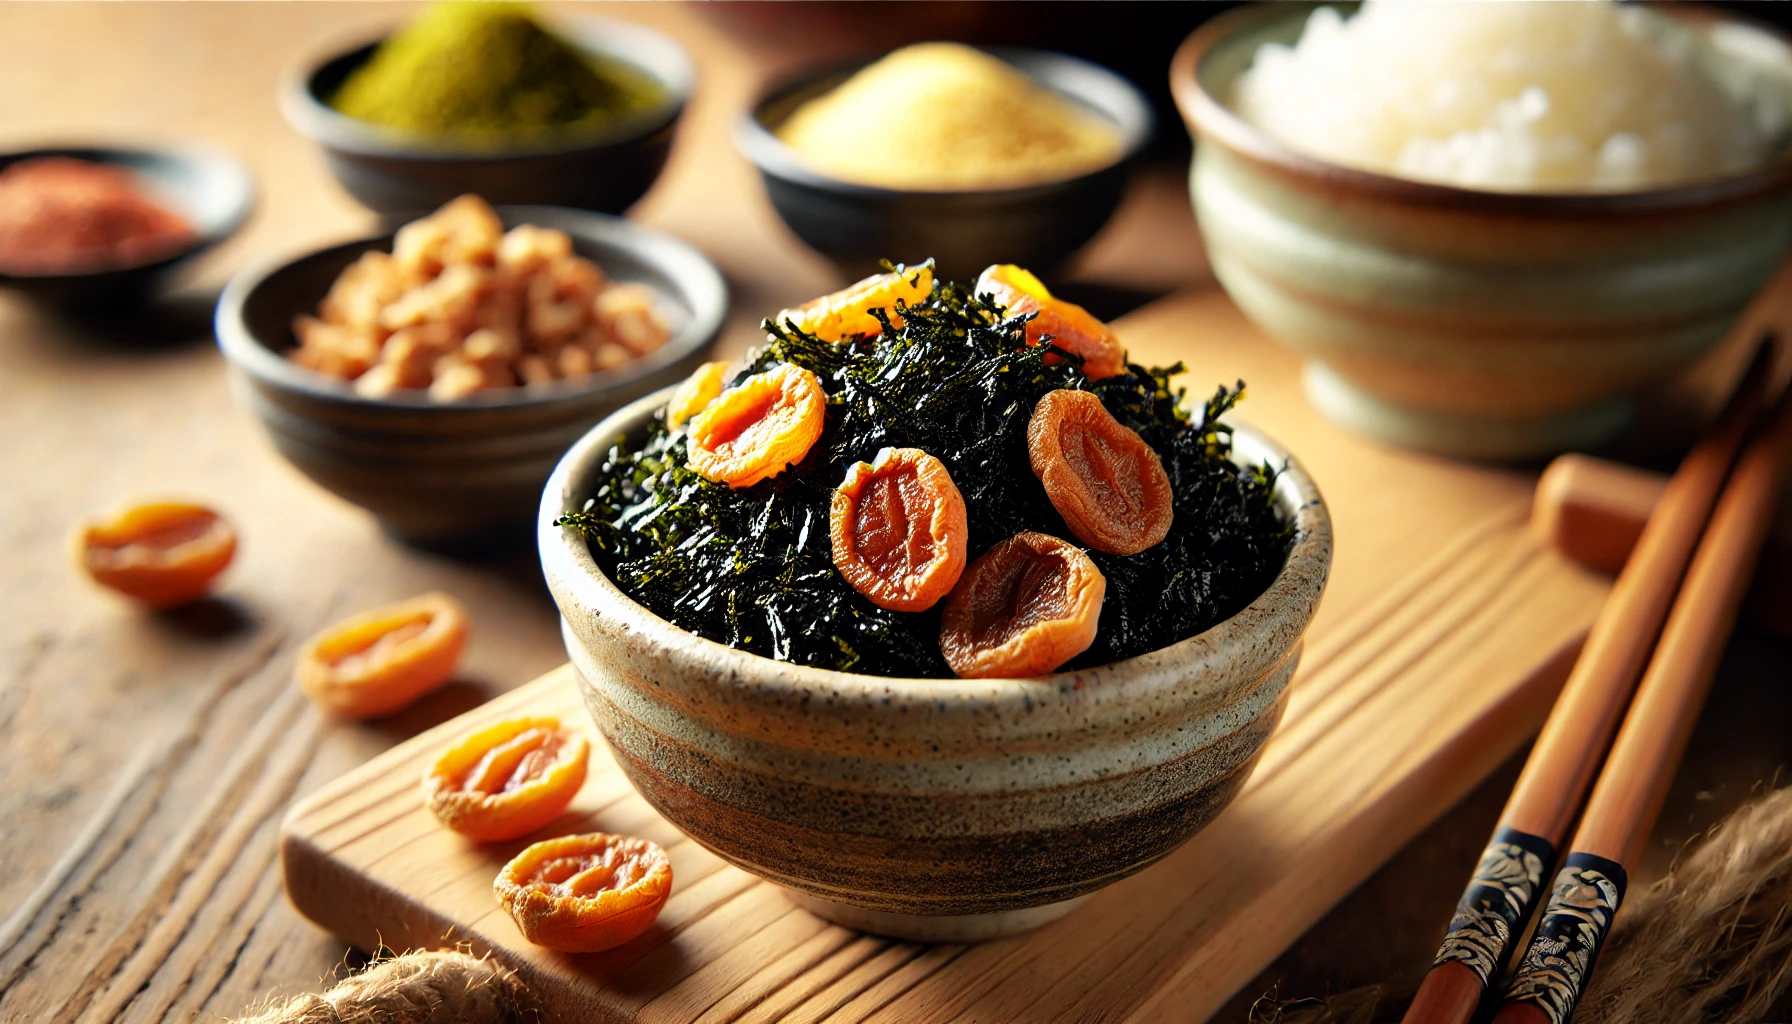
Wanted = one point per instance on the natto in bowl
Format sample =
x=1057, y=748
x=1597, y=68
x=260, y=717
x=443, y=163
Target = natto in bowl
x=931, y=809
x=1483, y=324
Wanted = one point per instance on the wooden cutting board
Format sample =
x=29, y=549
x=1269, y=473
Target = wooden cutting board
x=1444, y=634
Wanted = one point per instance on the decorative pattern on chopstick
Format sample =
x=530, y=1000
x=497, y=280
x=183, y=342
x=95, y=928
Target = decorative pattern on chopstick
x=1560, y=959
x=1497, y=902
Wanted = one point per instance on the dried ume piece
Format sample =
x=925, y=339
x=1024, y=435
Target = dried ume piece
x=1100, y=475
x=1064, y=324
x=696, y=392
x=899, y=530
x=758, y=427
x=585, y=893
x=846, y=314
x=379, y=661
x=161, y=553
x=507, y=780
x=1026, y=606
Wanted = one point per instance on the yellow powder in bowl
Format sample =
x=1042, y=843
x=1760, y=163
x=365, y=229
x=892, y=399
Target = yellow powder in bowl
x=941, y=117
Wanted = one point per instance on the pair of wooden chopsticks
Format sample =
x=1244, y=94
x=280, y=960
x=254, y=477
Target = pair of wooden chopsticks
x=1665, y=622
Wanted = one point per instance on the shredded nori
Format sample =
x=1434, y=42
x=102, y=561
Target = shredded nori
x=753, y=568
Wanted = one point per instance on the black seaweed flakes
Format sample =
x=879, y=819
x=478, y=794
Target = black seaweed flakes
x=753, y=568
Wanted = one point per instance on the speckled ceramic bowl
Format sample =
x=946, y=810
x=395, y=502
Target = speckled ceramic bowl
x=929, y=809
x=1485, y=324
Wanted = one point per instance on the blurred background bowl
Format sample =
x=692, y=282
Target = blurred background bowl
x=1472, y=323
x=1035, y=226
x=210, y=188
x=399, y=175
x=463, y=475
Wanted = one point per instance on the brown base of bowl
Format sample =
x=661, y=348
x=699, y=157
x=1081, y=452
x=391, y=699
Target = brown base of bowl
x=936, y=928
x=1503, y=438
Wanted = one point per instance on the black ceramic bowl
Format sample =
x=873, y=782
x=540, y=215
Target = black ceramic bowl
x=1036, y=226
x=459, y=475
x=211, y=189
x=398, y=175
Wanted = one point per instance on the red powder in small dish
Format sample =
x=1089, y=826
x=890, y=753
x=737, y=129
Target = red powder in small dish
x=59, y=215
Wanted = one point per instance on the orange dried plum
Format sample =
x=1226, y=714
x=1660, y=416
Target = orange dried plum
x=1065, y=324
x=1026, y=606
x=508, y=779
x=758, y=426
x=846, y=314
x=379, y=661
x=697, y=391
x=1101, y=476
x=585, y=893
x=899, y=529
x=160, y=553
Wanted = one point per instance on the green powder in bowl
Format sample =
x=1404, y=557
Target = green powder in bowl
x=487, y=73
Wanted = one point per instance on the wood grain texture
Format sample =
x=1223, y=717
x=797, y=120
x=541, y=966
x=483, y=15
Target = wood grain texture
x=1443, y=636
x=145, y=762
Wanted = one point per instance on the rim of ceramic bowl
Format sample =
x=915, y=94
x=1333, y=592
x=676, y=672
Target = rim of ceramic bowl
x=1211, y=119
x=698, y=280
x=1090, y=86
x=644, y=49
x=225, y=175
x=1290, y=598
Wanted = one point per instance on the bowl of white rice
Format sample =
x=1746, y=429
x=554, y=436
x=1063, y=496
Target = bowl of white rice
x=1489, y=225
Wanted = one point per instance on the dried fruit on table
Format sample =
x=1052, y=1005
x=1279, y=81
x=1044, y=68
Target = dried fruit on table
x=508, y=779
x=696, y=392
x=379, y=661
x=1027, y=606
x=1064, y=324
x=585, y=893
x=846, y=314
x=160, y=553
x=1101, y=476
x=899, y=529
x=759, y=426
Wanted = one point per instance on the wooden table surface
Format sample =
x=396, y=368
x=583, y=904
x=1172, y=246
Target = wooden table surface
x=146, y=760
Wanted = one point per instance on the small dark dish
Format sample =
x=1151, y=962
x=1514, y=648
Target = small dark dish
x=466, y=474
x=1036, y=226
x=397, y=175
x=211, y=189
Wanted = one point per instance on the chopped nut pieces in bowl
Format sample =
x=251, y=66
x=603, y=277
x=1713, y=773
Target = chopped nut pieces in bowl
x=435, y=376
x=826, y=744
